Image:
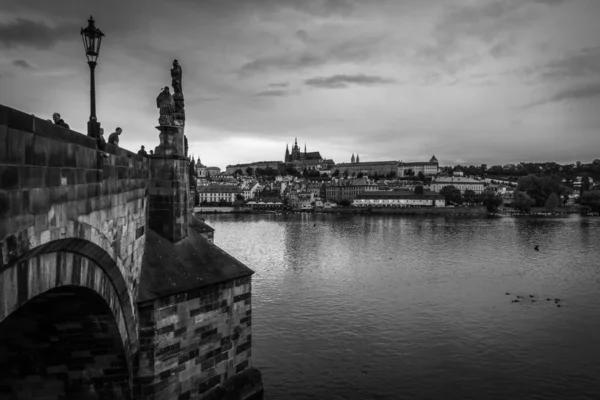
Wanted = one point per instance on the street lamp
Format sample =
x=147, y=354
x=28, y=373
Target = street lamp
x=92, y=37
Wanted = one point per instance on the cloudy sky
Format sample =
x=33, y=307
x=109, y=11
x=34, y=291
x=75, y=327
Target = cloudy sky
x=480, y=81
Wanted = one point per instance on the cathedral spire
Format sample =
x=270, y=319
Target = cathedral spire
x=304, y=147
x=352, y=159
x=357, y=159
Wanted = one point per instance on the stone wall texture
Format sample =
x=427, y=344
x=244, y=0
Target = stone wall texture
x=55, y=185
x=193, y=342
x=75, y=221
x=168, y=197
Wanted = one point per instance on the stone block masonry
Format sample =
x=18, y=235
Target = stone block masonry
x=113, y=237
x=193, y=342
x=55, y=186
x=168, y=197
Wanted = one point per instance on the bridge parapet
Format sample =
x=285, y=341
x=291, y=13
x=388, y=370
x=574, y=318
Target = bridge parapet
x=56, y=186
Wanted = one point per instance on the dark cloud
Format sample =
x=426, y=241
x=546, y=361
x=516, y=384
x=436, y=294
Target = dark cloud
x=23, y=64
x=551, y=2
x=315, y=8
x=26, y=32
x=503, y=48
x=200, y=100
x=272, y=93
x=585, y=62
x=493, y=24
x=582, y=63
x=342, y=81
x=575, y=93
x=283, y=62
x=279, y=84
x=355, y=50
x=302, y=35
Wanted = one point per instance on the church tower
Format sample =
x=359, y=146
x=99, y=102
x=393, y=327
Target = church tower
x=357, y=159
x=295, y=151
x=287, y=154
x=352, y=159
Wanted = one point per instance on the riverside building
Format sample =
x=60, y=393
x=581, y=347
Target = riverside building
x=400, y=198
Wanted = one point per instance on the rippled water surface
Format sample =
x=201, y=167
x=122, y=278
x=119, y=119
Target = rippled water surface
x=391, y=307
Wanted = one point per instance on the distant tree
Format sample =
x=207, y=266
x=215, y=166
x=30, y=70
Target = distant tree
x=270, y=172
x=421, y=176
x=591, y=200
x=239, y=197
x=409, y=172
x=360, y=175
x=452, y=194
x=491, y=200
x=585, y=184
x=470, y=197
x=522, y=201
x=239, y=172
x=552, y=202
x=336, y=173
x=290, y=170
x=345, y=203
x=495, y=170
x=391, y=174
x=259, y=172
x=540, y=187
x=346, y=174
x=249, y=171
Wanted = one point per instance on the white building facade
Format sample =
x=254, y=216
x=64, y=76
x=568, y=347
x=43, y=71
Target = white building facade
x=458, y=182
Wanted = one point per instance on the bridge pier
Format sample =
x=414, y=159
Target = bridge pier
x=108, y=287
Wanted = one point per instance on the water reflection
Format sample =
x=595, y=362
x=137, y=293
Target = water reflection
x=390, y=307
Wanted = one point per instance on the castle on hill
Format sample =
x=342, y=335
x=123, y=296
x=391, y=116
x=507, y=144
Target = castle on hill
x=302, y=159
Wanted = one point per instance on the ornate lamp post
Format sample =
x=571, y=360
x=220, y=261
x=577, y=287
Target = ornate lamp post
x=92, y=37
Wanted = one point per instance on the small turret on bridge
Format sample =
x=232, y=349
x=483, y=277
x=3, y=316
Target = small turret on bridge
x=108, y=288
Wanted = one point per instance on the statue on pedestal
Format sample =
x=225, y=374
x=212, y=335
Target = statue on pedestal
x=172, y=117
x=176, y=75
x=166, y=107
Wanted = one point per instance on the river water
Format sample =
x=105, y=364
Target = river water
x=397, y=307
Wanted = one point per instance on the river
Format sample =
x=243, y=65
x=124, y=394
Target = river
x=396, y=307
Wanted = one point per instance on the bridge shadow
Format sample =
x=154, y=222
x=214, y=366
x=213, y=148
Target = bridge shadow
x=63, y=343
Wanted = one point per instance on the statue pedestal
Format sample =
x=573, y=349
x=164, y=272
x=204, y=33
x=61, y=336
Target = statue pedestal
x=171, y=141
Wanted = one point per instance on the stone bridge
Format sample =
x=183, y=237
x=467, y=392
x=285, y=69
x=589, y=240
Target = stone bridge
x=109, y=288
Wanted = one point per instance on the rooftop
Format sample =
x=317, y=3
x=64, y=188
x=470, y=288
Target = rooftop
x=194, y=262
x=455, y=179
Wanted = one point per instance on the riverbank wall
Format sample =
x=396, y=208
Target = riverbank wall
x=213, y=210
x=457, y=211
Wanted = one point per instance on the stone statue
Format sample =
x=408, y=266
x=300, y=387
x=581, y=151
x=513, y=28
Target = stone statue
x=179, y=105
x=166, y=107
x=176, y=76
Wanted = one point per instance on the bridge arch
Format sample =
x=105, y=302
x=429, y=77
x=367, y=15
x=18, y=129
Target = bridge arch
x=81, y=269
x=63, y=343
x=78, y=238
